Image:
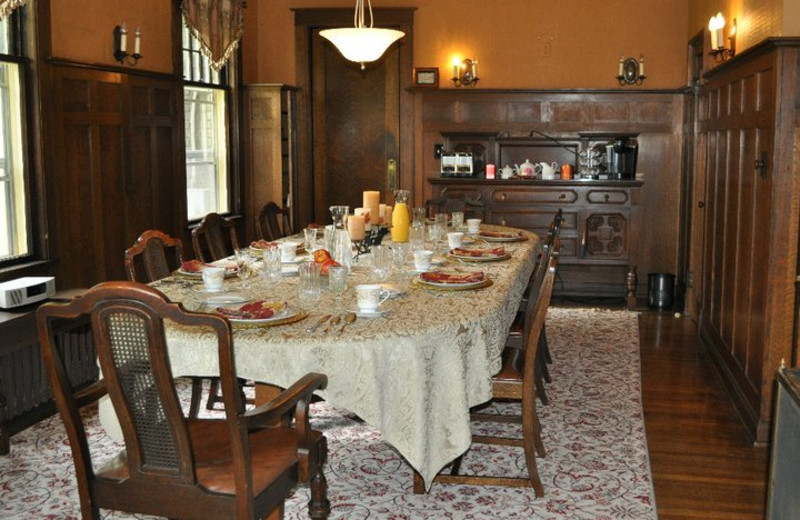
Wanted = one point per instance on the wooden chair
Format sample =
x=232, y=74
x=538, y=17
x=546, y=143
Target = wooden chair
x=511, y=384
x=239, y=467
x=214, y=238
x=147, y=261
x=273, y=222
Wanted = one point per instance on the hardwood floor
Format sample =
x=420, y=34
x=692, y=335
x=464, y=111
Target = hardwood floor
x=704, y=465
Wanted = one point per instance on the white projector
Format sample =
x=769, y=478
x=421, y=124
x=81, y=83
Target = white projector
x=26, y=290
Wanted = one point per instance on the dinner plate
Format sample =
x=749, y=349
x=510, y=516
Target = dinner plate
x=484, y=258
x=506, y=237
x=229, y=273
x=452, y=286
x=222, y=298
x=286, y=313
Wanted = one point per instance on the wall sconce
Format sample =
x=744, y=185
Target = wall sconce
x=121, y=45
x=631, y=71
x=718, y=49
x=465, y=74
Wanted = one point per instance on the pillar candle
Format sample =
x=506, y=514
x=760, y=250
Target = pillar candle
x=372, y=200
x=364, y=212
x=388, y=216
x=356, y=225
x=137, y=41
x=382, y=213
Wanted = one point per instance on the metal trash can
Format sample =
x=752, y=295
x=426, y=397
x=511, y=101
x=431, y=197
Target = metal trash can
x=660, y=290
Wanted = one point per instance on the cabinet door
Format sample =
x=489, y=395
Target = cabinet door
x=605, y=235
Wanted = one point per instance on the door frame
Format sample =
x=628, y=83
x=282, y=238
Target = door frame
x=306, y=21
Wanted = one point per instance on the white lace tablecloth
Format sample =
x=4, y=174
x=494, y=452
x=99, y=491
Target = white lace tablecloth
x=413, y=374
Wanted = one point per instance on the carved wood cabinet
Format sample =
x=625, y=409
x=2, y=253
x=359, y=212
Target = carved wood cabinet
x=599, y=233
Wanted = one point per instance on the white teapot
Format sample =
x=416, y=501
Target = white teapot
x=547, y=171
x=506, y=172
x=525, y=169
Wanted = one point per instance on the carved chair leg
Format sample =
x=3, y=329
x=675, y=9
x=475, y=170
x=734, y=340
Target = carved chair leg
x=319, y=507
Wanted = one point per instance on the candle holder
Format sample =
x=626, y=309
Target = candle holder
x=373, y=238
x=466, y=74
x=121, y=46
x=631, y=71
x=718, y=50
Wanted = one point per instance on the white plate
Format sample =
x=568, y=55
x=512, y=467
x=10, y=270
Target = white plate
x=515, y=238
x=459, y=285
x=485, y=258
x=224, y=299
x=288, y=312
x=370, y=314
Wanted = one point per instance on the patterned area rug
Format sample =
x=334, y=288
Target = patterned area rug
x=596, y=466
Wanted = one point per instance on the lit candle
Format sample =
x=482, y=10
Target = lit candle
x=388, y=216
x=455, y=67
x=475, y=68
x=621, y=63
x=356, y=226
x=641, y=65
x=720, y=25
x=137, y=42
x=123, y=38
x=381, y=213
x=372, y=200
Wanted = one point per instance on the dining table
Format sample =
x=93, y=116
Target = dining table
x=413, y=373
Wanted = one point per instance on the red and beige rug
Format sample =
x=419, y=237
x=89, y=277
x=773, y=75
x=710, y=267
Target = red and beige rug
x=596, y=468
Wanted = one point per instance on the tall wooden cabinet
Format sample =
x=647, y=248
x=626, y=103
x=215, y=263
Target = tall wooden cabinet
x=749, y=153
x=270, y=146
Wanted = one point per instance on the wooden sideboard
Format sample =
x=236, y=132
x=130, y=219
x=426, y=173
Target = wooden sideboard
x=599, y=234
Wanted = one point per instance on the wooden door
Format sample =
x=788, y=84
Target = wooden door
x=351, y=122
x=356, y=126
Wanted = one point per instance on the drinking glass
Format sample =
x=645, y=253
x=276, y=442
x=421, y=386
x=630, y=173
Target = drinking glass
x=244, y=265
x=381, y=262
x=400, y=255
x=457, y=218
x=419, y=215
x=310, y=239
x=416, y=237
x=308, y=292
x=337, y=280
x=272, y=263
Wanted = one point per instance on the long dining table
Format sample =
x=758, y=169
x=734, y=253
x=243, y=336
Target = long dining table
x=413, y=374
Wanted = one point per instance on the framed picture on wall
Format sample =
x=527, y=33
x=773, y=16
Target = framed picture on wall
x=426, y=77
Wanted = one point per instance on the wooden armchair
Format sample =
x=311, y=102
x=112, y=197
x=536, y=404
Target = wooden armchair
x=214, y=238
x=517, y=385
x=239, y=467
x=273, y=222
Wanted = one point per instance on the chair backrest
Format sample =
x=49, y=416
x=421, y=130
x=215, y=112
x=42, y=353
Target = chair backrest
x=549, y=252
x=148, y=260
x=273, y=222
x=539, y=305
x=214, y=238
x=127, y=321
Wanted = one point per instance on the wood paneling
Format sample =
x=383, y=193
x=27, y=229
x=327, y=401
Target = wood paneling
x=117, y=169
x=751, y=227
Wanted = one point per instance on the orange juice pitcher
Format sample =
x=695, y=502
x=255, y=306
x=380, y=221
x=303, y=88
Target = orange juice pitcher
x=400, y=217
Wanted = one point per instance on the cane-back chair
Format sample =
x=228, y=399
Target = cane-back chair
x=241, y=466
x=214, y=238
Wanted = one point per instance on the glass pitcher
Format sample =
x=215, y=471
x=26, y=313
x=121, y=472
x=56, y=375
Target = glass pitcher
x=340, y=246
x=400, y=216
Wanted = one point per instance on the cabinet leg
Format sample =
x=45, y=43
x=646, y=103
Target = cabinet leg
x=5, y=443
x=631, y=282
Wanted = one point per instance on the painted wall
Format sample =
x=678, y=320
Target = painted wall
x=518, y=43
x=755, y=19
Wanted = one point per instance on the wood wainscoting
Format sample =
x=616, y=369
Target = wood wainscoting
x=569, y=116
x=749, y=151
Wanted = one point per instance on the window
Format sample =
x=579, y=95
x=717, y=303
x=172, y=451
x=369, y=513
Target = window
x=206, y=118
x=15, y=235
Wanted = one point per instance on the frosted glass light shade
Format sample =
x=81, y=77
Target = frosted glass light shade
x=362, y=44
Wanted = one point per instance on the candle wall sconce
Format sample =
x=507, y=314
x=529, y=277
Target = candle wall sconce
x=121, y=53
x=465, y=74
x=718, y=49
x=631, y=71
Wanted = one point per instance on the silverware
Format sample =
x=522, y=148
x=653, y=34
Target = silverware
x=311, y=328
x=332, y=324
x=349, y=318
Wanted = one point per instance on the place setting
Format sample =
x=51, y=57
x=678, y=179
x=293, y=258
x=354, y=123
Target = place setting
x=452, y=279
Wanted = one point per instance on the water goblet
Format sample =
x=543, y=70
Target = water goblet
x=400, y=255
x=272, y=263
x=308, y=291
x=381, y=262
x=457, y=219
x=337, y=280
x=310, y=239
x=244, y=265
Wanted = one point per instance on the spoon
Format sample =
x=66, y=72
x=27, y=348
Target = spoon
x=349, y=318
x=334, y=321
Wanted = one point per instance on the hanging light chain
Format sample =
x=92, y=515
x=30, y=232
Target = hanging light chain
x=358, y=16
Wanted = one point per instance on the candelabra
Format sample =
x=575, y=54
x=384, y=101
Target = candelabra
x=121, y=45
x=631, y=71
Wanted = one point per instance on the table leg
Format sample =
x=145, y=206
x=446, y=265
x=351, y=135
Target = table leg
x=631, y=282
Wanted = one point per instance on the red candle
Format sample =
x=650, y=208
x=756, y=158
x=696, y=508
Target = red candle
x=490, y=170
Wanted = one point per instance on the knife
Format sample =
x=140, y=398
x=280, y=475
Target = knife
x=311, y=328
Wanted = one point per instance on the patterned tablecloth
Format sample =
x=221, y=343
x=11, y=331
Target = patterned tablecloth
x=413, y=374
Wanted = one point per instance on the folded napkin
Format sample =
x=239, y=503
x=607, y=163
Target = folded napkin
x=192, y=266
x=262, y=244
x=452, y=277
x=258, y=310
x=479, y=253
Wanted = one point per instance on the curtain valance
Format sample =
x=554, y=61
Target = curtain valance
x=218, y=25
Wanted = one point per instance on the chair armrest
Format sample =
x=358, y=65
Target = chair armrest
x=297, y=396
x=90, y=394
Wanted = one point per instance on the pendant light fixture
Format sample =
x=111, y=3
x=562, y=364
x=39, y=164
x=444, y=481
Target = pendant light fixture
x=361, y=44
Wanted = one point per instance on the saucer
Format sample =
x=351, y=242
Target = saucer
x=377, y=313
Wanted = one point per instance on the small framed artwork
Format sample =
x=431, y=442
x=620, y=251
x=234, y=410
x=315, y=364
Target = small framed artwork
x=426, y=77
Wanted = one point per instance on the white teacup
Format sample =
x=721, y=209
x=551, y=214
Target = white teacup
x=422, y=259
x=213, y=278
x=288, y=251
x=473, y=225
x=455, y=239
x=370, y=296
